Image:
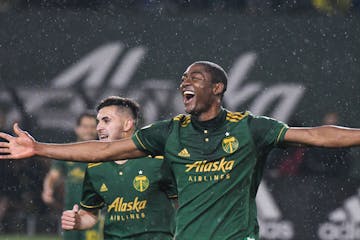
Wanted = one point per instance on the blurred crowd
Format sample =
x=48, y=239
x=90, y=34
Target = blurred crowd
x=180, y=6
x=295, y=161
x=20, y=192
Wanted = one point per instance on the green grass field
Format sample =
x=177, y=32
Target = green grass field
x=24, y=237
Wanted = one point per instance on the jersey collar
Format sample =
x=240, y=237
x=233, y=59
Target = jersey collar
x=210, y=124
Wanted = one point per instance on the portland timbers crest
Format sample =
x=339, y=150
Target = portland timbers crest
x=230, y=144
x=141, y=182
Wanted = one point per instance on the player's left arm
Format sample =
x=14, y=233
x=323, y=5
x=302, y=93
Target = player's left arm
x=324, y=136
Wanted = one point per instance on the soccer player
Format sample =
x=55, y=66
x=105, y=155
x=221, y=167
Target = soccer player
x=216, y=156
x=135, y=194
x=73, y=173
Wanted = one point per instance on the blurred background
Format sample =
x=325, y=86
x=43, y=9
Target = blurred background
x=297, y=61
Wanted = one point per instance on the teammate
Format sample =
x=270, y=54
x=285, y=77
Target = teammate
x=216, y=156
x=135, y=193
x=73, y=172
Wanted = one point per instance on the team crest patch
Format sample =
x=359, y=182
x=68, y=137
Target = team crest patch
x=141, y=183
x=230, y=144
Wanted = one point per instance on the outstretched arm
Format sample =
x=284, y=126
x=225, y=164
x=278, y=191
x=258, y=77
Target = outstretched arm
x=76, y=219
x=23, y=145
x=324, y=136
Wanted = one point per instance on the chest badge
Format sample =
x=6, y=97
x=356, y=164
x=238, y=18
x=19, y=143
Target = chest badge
x=141, y=182
x=230, y=144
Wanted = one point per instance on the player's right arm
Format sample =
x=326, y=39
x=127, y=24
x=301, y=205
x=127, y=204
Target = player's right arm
x=52, y=177
x=78, y=219
x=23, y=145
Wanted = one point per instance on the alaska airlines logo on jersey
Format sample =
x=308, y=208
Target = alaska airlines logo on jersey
x=141, y=182
x=216, y=166
x=230, y=144
x=119, y=205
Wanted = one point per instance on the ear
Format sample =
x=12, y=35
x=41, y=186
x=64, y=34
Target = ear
x=218, y=88
x=128, y=124
x=76, y=130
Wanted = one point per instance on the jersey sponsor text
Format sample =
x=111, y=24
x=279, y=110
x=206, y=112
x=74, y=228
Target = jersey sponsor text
x=119, y=205
x=212, y=166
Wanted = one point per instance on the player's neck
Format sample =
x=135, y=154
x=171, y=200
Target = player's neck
x=208, y=115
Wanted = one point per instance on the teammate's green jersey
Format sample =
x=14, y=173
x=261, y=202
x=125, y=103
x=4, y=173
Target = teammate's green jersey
x=74, y=173
x=218, y=166
x=136, y=197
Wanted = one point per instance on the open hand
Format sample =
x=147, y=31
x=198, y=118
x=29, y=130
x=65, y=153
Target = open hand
x=20, y=146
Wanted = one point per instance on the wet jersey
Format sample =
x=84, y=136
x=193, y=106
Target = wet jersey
x=136, y=197
x=218, y=166
x=74, y=173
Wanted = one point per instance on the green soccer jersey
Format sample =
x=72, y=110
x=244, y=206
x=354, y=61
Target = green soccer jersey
x=136, y=197
x=74, y=173
x=218, y=166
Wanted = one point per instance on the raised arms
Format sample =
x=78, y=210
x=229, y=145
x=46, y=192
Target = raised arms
x=23, y=145
x=324, y=136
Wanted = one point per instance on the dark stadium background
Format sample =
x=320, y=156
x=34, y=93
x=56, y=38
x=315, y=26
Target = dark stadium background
x=293, y=60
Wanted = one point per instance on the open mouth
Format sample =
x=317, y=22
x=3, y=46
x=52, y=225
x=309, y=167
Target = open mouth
x=103, y=137
x=188, y=95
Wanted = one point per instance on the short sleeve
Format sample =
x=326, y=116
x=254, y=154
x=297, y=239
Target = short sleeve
x=267, y=132
x=152, y=138
x=90, y=198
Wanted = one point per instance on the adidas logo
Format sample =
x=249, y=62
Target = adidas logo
x=103, y=188
x=184, y=153
x=272, y=223
x=344, y=222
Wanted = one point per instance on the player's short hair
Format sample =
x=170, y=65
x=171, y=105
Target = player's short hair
x=125, y=103
x=87, y=113
x=217, y=73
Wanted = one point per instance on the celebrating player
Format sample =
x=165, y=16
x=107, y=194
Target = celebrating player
x=136, y=194
x=216, y=156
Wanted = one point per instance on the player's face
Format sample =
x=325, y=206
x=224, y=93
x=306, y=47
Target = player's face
x=86, y=130
x=197, y=90
x=111, y=123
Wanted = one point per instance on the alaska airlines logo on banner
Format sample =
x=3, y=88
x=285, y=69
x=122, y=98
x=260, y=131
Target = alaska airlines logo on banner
x=109, y=69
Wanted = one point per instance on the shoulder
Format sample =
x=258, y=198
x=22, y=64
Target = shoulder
x=152, y=160
x=182, y=119
x=237, y=116
x=95, y=166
